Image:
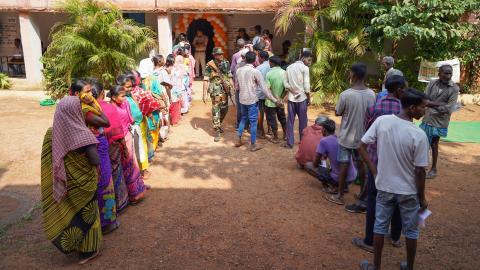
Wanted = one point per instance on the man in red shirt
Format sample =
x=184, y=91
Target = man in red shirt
x=311, y=136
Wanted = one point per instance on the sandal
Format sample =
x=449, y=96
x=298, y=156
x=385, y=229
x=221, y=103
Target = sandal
x=330, y=190
x=286, y=145
x=397, y=244
x=274, y=141
x=358, y=242
x=254, y=148
x=334, y=199
x=239, y=144
x=431, y=175
x=365, y=265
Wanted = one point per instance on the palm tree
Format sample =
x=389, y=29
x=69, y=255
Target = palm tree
x=335, y=49
x=96, y=41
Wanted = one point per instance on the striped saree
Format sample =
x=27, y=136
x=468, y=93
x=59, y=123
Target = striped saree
x=73, y=224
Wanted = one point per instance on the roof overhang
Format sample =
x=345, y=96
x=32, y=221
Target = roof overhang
x=220, y=6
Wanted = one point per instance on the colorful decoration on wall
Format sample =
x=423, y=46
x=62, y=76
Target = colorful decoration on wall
x=216, y=20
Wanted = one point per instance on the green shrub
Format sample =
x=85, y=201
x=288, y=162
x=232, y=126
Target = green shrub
x=5, y=82
x=96, y=41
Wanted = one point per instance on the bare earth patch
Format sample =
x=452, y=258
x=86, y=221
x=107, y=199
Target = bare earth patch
x=213, y=206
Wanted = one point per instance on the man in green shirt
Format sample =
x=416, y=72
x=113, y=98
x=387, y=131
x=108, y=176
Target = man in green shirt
x=274, y=80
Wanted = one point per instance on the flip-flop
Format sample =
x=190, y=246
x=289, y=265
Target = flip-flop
x=255, y=148
x=335, y=200
x=358, y=242
x=365, y=265
x=397, y=244
x=239, y=144
x=285, y=145
x=431, y=175
x=329, y=190
x=273, y=141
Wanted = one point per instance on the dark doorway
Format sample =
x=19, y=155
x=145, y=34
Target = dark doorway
x=207, y=29
x=138, y=17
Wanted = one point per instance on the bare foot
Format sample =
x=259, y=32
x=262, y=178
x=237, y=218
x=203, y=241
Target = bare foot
x=146, y=174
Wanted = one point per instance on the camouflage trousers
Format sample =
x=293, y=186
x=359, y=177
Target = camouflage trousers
x=219, y=110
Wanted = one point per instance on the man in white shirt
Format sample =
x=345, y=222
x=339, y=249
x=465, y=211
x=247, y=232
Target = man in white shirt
x=248, y=81
x=297, y=83
x=200, y=43
x=400, y=180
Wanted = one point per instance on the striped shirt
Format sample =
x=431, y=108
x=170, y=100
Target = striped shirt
x=248, y=81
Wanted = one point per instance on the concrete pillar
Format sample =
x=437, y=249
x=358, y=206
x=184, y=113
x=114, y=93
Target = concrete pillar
x=32, y=48
x=165, y=28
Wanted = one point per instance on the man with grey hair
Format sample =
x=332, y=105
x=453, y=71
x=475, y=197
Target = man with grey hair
x=443, y=94
x=387, y=64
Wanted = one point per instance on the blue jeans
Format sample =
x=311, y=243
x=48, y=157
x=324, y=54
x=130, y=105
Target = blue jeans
x=249, y=112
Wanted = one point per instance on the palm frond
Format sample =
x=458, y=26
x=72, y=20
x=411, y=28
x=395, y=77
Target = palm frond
x=288, y=13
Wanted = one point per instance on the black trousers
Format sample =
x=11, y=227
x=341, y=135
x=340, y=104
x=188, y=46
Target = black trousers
x=273, y=114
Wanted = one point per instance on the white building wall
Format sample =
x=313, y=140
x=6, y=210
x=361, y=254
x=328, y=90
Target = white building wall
x=46, y=21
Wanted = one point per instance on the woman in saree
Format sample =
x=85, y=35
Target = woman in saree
x=108, y=151
x=163, y=75
x=148, y=106
x=114, y=135
x=167, y=77
x=97, y=122
x=153, y=86
x=131, y=172
x=69, y=179
x=178, y=91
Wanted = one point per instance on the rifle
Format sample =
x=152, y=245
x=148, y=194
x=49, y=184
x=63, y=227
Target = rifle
x=225, y=85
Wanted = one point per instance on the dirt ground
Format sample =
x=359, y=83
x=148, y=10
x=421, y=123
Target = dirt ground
x=213, y=206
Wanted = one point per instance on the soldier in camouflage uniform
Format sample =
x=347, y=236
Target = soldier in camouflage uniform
x=217, y=83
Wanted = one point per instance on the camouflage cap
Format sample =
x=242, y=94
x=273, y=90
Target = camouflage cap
x=217, y=50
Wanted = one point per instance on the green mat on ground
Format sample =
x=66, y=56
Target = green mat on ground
x=47, y=102
x=464, y=132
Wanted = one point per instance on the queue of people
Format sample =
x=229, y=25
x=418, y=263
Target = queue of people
x=96, y=156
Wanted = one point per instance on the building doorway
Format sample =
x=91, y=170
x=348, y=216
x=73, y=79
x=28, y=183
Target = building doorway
x=207, y=29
